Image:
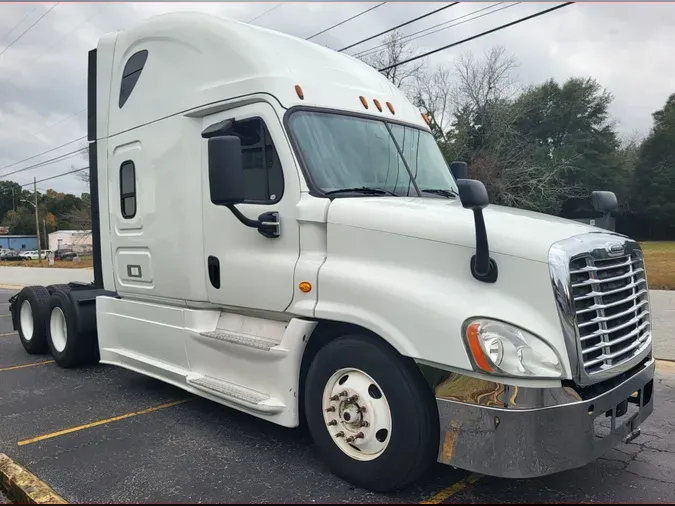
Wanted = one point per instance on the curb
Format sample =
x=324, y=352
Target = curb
x=23, y=486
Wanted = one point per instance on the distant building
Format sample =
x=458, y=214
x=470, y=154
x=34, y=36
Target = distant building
x=80, y=241
x=19, y=242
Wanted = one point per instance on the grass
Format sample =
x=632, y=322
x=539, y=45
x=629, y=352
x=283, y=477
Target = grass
x=86, y=262
x=660, y=264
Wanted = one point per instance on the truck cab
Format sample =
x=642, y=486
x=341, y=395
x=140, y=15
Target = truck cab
x=276, y=230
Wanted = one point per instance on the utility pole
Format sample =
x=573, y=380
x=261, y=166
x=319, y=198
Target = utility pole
x=37, y=220
x=13, y=206
x=44, y=229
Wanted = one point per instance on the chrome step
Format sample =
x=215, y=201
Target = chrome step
x=241, y=339
x=245, y=397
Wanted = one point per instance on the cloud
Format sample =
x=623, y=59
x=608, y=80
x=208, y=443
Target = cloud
x=628, y=47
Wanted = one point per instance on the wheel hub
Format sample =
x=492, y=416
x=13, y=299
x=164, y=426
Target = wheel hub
x=357, y=414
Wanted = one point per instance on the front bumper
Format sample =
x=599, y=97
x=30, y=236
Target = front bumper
x=525, y=443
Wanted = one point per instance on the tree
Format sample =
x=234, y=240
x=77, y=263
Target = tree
x=396, y=49
x=654, y=180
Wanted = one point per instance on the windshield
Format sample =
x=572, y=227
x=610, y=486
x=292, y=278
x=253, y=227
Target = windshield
x=348, y=152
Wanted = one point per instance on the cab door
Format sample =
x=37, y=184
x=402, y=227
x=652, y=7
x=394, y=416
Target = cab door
x=243, y=267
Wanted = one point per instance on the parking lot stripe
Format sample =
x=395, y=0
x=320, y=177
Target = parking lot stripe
x=100, y=422
x=23, y=366
x=3, y=315
x=447, y=493
x=8, y=334
x=23, y=486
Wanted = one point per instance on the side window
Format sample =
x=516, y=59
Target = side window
x=263, y=176
x=128, y=189
x=130, y=74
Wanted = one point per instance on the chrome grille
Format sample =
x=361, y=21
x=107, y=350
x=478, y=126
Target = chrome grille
x=611, y=303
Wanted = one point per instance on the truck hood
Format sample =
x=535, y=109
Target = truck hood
x=515, y=232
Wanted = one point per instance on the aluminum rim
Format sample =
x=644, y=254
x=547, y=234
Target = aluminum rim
x=357, y=414
x=26, y=320
x=58, y=329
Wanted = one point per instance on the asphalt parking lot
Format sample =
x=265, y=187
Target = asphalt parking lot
x=103, y=434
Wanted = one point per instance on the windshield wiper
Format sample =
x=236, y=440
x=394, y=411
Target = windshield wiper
x=362, y=189
x=438, y=191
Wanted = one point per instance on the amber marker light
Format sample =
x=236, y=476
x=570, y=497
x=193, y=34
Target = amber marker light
x=426, y=118
x=305, y=287
x=377, y=104
x=391, y=108
x=364, y=101
x=476, y=349
x=299, y=91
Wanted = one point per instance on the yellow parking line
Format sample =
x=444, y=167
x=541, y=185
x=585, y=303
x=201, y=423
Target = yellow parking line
x=447, y=493
x=34, y=364
x=100, y=422
x=8, y=334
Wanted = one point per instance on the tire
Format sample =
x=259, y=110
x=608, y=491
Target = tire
x=69, y=347
x=32, y=308
x=61, y=288
x=410, y=445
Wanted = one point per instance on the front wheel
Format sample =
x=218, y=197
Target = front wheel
x=371, y=415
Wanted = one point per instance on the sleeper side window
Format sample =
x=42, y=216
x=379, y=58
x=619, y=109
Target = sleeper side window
x=128, y=189
x=130, y=74
x=263, y=175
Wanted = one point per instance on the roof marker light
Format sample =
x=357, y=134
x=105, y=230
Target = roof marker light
x=377, y=104
x=426, y=119
x=391, y=107
x=364, y=101
x=298, y=90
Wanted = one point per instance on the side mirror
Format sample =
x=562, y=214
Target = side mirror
x=604, y=202
x=459, y=170
x=474, y=196
x=226, y=170
x=472, y=193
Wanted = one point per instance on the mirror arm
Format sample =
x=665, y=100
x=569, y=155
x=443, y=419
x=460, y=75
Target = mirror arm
x=267, y=223
x=483, y=267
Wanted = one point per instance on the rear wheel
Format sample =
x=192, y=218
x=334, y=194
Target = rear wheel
x=372, y=416
x=69, y=347
x=32, y=305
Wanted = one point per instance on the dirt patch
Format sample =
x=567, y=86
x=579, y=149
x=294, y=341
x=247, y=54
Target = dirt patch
x=660, y=262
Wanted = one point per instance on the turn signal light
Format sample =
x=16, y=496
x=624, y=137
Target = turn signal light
x=476, y=350
x=305, y=287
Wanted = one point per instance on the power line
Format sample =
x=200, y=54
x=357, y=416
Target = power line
x=443, y=48
x=46, y=162
x=56, y=176
x=411, y=36
x=346, y=20
x=16, y=25
x=27, y=29
x=266, y=12
x=43, y=153
x=398, y=26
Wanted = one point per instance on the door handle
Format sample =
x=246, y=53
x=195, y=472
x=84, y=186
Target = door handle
x=214, y=271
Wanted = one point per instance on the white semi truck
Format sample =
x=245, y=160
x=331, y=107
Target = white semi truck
x=276, y=230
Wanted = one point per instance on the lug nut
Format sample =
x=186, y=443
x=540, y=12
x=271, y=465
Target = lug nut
x=362, y=409
x=365, y=423
x=344, y=393
x=340, y=434
x=353, y=398
x=332, y=422
x=353, y=438
x=335, y=398
x=330, y=410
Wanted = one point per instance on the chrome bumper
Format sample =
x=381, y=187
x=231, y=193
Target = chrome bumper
x=512, y=442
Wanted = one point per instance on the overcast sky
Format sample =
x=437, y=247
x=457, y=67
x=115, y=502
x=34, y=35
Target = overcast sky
x=628, y=47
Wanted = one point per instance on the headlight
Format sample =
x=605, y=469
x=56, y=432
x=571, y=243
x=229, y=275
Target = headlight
x=500, y=348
